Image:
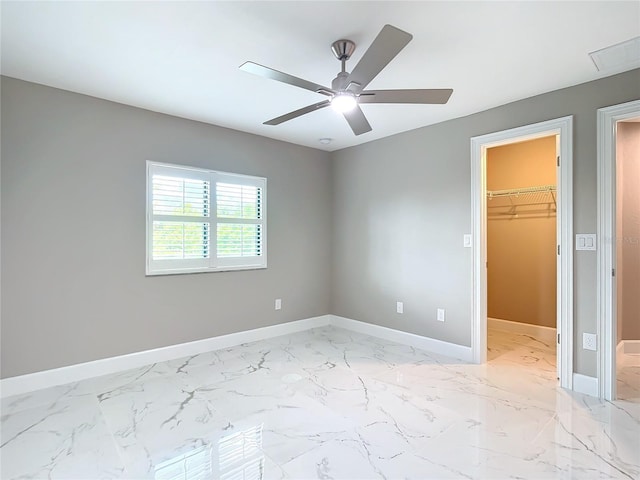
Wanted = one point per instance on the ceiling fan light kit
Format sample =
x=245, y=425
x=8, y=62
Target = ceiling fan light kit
x=344, y=102
x=347, y=89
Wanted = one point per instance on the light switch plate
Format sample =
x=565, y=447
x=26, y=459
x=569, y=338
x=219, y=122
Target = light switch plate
x=585, y=241
x=467, y=240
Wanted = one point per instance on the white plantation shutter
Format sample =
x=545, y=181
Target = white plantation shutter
x=202, y=220
x=180, y=240
x=239, y=212
x=180, y=216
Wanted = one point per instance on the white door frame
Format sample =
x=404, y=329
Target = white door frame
x=606, y=283
x=563, y=128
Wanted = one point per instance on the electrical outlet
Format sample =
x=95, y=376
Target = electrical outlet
x=278, y=303
x=589, y=341
x=440, y=316
x=399, y=307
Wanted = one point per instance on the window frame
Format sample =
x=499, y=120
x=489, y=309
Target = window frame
x=213, y=263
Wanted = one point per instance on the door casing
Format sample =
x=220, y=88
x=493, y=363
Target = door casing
x=606, y=282
x=562, y=128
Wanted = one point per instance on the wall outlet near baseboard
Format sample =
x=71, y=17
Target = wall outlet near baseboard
x=399, y=307
x=278, y=304
x=440, y=316
x=589, y=341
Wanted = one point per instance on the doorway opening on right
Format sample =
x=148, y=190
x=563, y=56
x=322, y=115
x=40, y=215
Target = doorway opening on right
x=627, y=259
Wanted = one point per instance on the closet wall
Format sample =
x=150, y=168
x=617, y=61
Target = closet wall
x=521, y=234
x=628, y=229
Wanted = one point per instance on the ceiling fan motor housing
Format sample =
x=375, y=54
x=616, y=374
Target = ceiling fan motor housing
x=340, y=82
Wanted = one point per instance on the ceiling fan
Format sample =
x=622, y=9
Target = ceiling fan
x=347, y=90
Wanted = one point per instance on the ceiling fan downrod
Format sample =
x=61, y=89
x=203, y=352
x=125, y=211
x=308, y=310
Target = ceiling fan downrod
x=343, y=49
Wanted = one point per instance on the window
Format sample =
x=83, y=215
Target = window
x=204, y=221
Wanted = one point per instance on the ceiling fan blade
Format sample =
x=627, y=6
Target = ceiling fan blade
x=357, y=121
x=428, y=96
x=283, y=77
x=297, y=113
x=384, y=48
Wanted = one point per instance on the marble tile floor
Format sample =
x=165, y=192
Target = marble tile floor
x=628, y=377
x=322, y=404
x=508, y=348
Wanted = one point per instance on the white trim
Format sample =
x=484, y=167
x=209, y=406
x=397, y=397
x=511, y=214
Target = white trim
x=75, y=373
x=629, y=347
x=82, y=371
x=545, y=334
x=585, y=384
x=629, y=352
x=606, y=289
x=563, y=127
x=425, y=343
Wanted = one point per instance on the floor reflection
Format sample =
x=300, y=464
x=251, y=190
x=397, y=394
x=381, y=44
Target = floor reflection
x=238, y=457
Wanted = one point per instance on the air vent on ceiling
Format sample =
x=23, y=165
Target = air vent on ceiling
x=619, y=57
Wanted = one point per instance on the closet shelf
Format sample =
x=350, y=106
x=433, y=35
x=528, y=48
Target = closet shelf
x=521, y=191
x=542, y=194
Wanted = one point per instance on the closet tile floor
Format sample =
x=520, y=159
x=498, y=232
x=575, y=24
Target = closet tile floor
x=628, y=377
x=508, y=348
x=327, y=404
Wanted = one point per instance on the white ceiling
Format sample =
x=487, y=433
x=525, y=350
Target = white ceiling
x=182, y=58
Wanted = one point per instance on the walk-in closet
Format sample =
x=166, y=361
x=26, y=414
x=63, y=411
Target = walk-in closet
x=521, y=252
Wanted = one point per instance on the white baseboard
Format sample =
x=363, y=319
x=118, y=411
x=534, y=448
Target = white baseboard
x=425, y=343
x=630, y=347
x=75, y=373
x=545, y=334
x=585, y=384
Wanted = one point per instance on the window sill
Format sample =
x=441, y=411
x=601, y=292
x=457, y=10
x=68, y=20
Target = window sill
x=204, y=270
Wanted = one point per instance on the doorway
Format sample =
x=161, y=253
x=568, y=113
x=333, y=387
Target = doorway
x=619, y=253
x=561, y=130
x=521, y=254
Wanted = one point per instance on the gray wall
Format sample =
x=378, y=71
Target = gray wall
x=390, y=215
x=73, y=231
x=402, y=204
